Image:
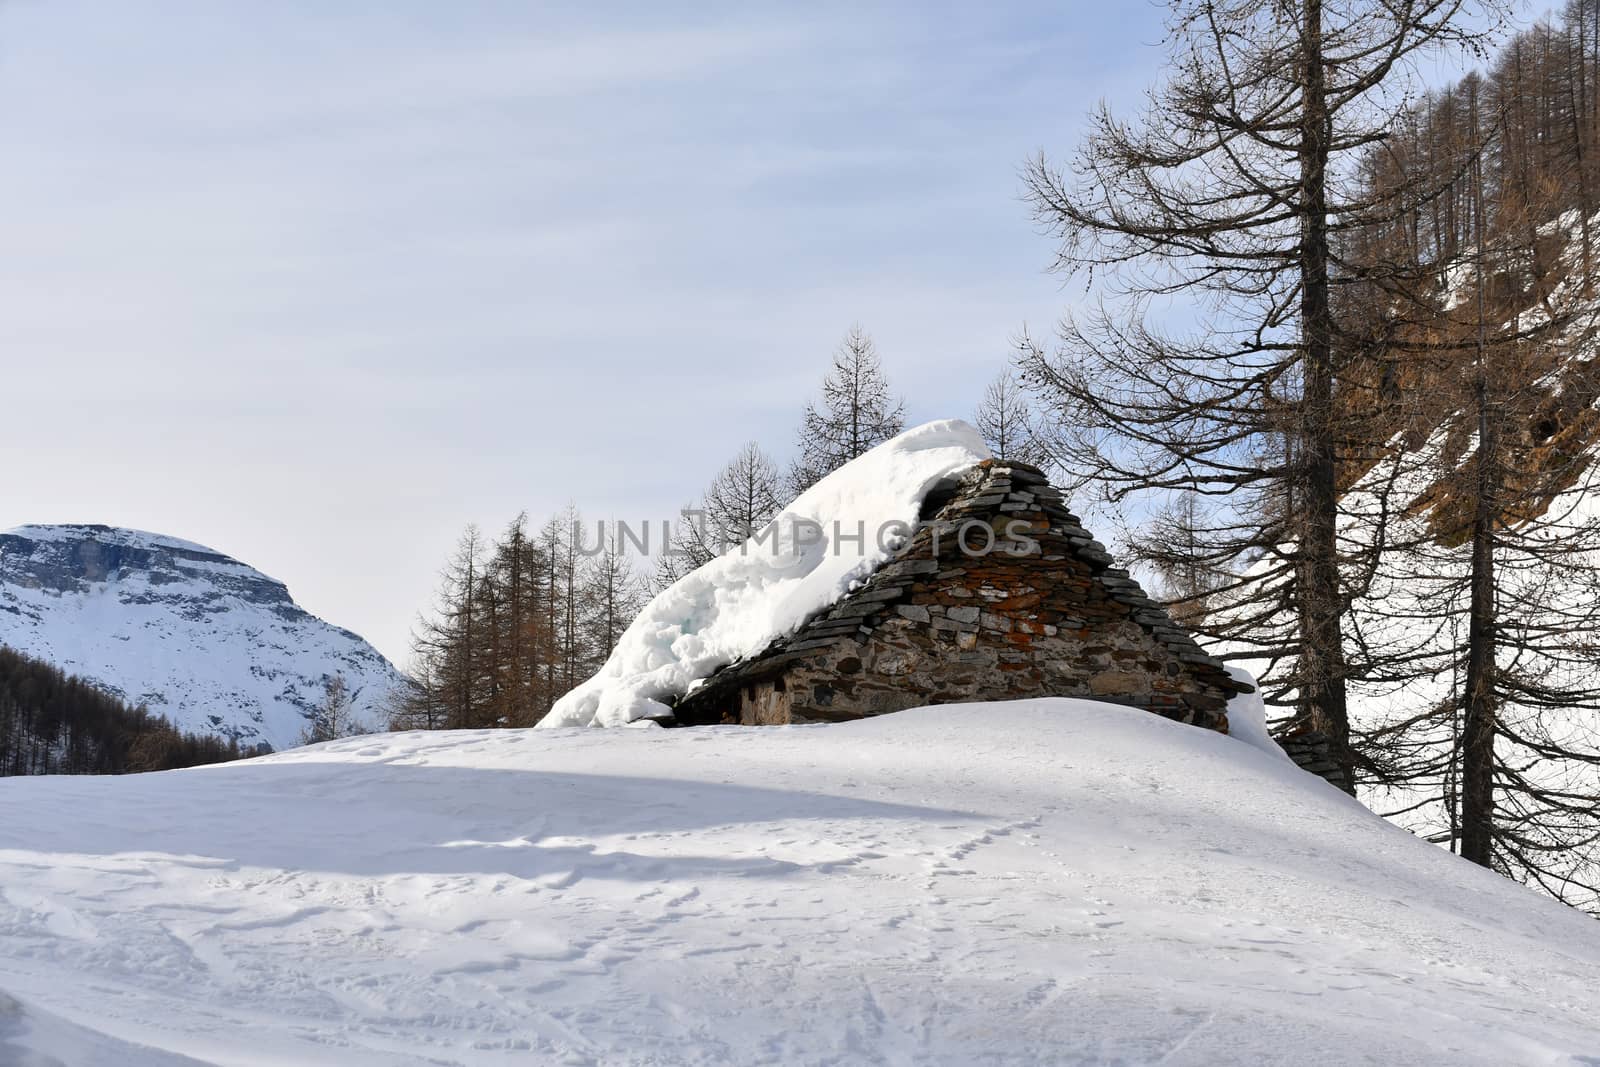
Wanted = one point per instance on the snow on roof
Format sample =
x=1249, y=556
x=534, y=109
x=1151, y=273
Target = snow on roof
x=801, y=562
x=1247, y=715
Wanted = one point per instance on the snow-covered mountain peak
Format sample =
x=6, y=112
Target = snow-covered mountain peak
x=209, y=641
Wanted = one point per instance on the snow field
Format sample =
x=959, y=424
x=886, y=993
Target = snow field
x=1045, y=881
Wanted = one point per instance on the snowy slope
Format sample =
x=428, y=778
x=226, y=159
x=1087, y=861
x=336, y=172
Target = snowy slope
x=214, y=645
x=32, y=1038
x=833, y=535
x=1054, y=881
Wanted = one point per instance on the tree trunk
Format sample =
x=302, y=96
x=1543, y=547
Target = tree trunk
x=1322, y=682
x=1477, y=740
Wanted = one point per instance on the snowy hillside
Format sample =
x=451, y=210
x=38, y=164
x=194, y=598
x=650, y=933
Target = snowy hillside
x=1042, y=882
x=212, y=644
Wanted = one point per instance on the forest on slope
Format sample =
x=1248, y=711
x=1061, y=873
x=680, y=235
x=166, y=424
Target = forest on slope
x=51, y=723
x=1365, y=466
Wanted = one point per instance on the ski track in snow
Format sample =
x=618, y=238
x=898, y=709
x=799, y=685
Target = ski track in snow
x=1052, y=881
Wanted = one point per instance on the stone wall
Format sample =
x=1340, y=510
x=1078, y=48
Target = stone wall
x=1313, y=752
x=1040, y=613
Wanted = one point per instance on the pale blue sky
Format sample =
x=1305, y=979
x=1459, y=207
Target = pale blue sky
x=318, y=284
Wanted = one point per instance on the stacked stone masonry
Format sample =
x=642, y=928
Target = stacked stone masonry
x=1312, y=751
x=1042, y=612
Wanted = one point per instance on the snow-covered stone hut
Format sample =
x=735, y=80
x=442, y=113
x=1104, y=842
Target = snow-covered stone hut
x=1001, y=594
x=924, y=572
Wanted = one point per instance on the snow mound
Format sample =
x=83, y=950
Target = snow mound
x=1050, y=881
x=30, y=1038
x=1247, y=715
x=800, y=563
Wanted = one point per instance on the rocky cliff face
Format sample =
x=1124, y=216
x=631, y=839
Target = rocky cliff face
x=211, y=643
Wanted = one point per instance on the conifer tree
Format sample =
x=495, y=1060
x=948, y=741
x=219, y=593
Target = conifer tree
x=517, y=623
x=1005, y=419
x=691, y=544
x=612, y=595
x=743, y=497
x=51, y=723
x=1484, y=744
x=1232, y=188
x=559, y=543
x=858, y=410
x=446, y=645
x=334, y=715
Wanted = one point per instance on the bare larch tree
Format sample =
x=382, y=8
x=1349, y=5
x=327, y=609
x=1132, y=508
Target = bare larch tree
x=1005, y=419
x=858, y=411
x=1231, y=189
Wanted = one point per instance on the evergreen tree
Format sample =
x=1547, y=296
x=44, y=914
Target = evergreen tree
x=458, y=631
x=570, y=654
